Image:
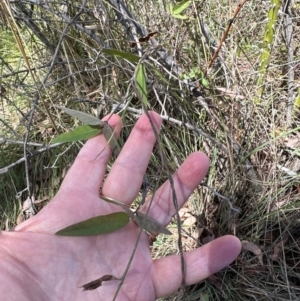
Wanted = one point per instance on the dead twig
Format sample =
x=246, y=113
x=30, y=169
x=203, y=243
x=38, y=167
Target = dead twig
x=225, y=34
x=21, y=160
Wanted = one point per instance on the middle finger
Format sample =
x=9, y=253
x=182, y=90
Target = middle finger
x=125, y=178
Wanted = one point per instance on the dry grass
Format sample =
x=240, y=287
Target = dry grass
x=251, y=148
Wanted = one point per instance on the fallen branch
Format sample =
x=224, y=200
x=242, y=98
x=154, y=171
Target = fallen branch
x=23, y=159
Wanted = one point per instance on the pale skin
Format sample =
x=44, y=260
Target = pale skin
x=37, y=265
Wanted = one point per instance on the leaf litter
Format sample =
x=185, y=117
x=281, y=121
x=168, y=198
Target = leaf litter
x=253, y=248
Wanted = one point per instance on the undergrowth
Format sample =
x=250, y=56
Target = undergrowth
x=252, y=189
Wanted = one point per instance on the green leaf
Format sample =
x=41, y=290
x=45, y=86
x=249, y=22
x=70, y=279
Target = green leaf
x=82, y=132
x=143, y=220
x=140, y=79
x=108, y=133
x=125, y=55
x=97, y=225
x=205, y=83
x=150, y=225
x=178, y=8
x=83, y=117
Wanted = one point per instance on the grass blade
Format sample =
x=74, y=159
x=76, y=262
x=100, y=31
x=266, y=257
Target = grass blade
x=141, y=82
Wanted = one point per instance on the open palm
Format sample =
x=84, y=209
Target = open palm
x=37, y=265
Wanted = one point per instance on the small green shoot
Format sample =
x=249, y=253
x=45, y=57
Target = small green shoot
x=196, y=73
x=176, y=10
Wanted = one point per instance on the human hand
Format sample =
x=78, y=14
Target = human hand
x=38, y=265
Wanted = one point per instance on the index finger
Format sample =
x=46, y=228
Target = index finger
x=90, y=164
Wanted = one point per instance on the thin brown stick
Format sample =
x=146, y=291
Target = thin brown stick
x=175, y=203
x=225, y=34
